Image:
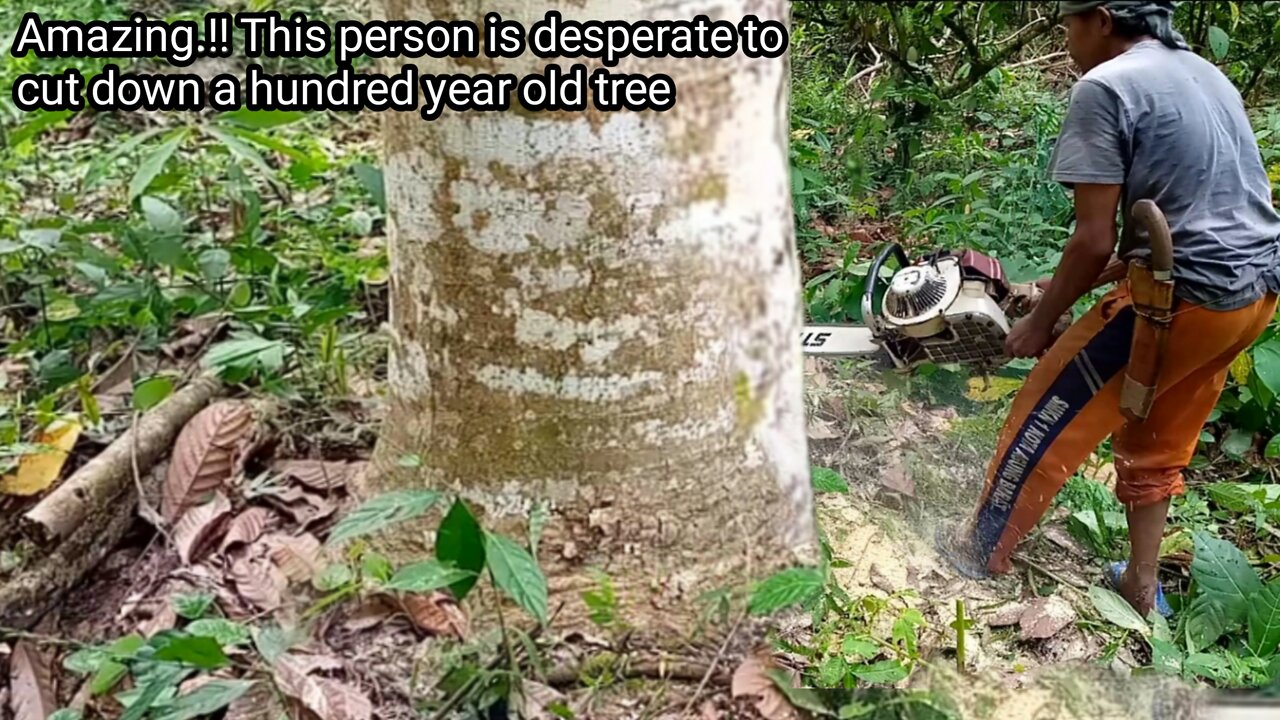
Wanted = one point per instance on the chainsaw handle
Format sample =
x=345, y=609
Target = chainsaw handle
x=873, y=277
x=1148, y=214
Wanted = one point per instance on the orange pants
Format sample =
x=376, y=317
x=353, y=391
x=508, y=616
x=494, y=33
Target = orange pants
x=1070, y=403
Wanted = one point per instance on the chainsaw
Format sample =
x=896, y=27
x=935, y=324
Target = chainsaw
x=944, y=308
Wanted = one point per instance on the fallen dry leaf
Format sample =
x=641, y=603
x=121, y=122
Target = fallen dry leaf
x=164, y=618
x=536, y=697
x=369, y=614
x=1006, y=615
x=315, y=474
x=259, y=582
x=896, y=479
x=200, y=526
x=437, y=613
x=31, y=683
x=1045, y=617
x=38, y=470
x=820, y=429
x=303, y=507
x=247, y=527
x=260, y=703
x=327, y=698
x=752, y=679
x=298, y=556
x=204, y=455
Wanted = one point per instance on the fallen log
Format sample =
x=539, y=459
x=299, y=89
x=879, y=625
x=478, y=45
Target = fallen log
x=101, y=481
x=79, y=523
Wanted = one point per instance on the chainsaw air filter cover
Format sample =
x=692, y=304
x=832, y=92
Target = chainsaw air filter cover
x=944, y=316
x=920, y=294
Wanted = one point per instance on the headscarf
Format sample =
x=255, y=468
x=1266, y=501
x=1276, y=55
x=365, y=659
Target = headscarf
x=1157, y=15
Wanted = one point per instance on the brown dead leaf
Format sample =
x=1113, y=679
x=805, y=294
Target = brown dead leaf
x=896, y=479
x=820, y=429
x=259, y=582
x=437, y=613
x=259, y=703
x=298, y=557
x=535, y=698
x=329, y=699
x=315, y=474
x=303, y=507
x=31, y=683
x=247, y=527
x=1045, y=617
x=369, y=614
x=200, y=526
x=163, y=617
x=204, y=455
x=752, y=679
x=1006, y=615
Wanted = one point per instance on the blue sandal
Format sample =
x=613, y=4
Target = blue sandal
x=1116, y=569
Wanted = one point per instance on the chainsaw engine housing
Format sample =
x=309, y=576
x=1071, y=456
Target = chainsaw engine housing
x=940, y=310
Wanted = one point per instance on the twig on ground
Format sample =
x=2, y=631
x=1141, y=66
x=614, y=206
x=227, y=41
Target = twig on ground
x=1032, y=564
x=1035, y=61
x=733, y=632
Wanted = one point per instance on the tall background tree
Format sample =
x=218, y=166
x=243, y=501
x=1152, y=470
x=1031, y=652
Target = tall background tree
x=598, y=312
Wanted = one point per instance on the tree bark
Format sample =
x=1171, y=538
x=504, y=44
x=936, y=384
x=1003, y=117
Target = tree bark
x=599, y=311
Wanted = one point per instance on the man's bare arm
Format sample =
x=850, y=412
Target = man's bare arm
x=1086, y=255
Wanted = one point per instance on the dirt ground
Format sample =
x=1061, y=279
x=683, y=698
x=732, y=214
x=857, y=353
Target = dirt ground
x=912, y=466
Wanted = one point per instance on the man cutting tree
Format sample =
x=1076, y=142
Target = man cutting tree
x=1149, y=120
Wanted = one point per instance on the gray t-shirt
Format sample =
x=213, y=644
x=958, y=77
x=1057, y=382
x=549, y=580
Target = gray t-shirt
x=1169, y=126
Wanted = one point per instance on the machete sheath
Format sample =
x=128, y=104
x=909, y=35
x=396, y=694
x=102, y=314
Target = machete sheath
x=1151, y=289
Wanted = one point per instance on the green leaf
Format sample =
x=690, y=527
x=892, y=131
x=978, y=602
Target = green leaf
x=426, y=576
x=1206, y=665
x=161, y=216
x=164, y=678
x=460, y=544
x=214, y=263
x=825, y=480
x=381, y=511
x=1266, y=364
x=1223, y=576
x=1264, y=620
x=371, y=178
x=1166, y=657
x=517, y=574
x=1117, y=610
x=1273, y=448
x=333, y=577
x=1206, y=622
x=1219, y=41
x=246, y=351
x=99, y=167
x=202, y=652
x=150, y=393
x=66, y=714
x=1237, y=443
x=259, y=119
x=272, y=642
x=376, y=566
x=154, y=162
x=224, y=631
x=854, y=646
x=207, y=699
x=240, y=148
x=786, y=588
x=885, y=672
x=194, y=605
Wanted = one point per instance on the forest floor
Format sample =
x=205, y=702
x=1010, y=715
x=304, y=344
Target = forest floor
x=914, y=454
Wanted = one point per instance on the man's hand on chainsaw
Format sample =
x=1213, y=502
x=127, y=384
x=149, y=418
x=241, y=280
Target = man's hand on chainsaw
x=1028, y=338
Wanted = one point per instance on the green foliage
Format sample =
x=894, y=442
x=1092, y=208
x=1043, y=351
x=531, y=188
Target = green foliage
x=826, y=480
x=382, y=511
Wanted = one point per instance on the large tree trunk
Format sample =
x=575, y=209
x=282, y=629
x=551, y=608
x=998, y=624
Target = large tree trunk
x=601, y=312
